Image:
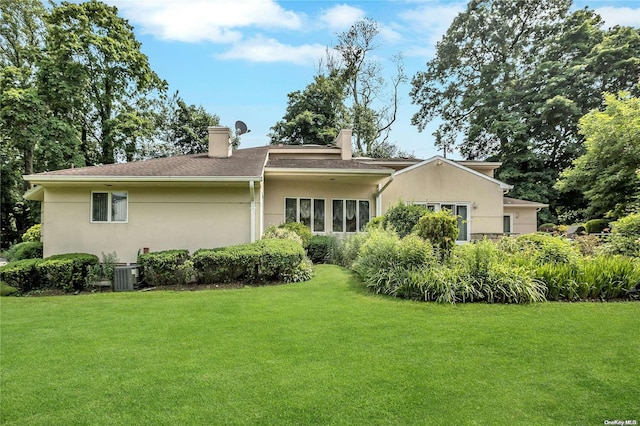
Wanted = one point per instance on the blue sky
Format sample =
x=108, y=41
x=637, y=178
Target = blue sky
x=240, y=58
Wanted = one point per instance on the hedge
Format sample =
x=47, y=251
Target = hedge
x=66, y=271
x=26, y=250
x=21, y=274
x=264, y=260
x=169, y=267
x=595, y=226
x=321, y=248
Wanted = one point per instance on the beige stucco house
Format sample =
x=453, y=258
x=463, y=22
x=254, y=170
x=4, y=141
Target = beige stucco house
x=230, y=196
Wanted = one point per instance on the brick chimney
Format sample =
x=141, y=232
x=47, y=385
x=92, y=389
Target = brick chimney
x=219, y=142
x=343, y=141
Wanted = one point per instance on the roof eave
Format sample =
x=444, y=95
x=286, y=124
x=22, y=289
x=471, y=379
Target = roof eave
x=324, y=171
x=38, y=179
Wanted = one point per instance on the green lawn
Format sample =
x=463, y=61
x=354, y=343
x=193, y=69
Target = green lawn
x=321, y=352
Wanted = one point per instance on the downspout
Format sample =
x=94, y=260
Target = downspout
x=252, y=194
x=378, y=194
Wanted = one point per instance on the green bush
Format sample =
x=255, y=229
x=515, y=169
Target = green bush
x=164, y=267
x=595, y=226
x=378, y=252
x=441, y=228
x=7, y=290
x=347, y=249
x=541, y=248
x=264, y=260
x=600, y=277
x=628, y=225
x=21, y=274
x=66, y=271
x=321, y=248
x=588, y=244
x=26, y=250
x=620, y=244
x=33, y=234
x=302, y=230
x=415, y=252
x=403, y=217
x=275, y=232
x=546, y=227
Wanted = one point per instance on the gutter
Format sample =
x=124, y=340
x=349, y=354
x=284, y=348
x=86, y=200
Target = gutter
x=379, y=192
x=161, y=179
x=252, y=209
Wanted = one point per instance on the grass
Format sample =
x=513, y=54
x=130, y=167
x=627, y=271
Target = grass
x=321, y=352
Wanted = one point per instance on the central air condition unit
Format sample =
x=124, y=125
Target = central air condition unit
x=125, y=277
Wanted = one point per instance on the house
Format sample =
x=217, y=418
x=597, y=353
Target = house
x=227, y=196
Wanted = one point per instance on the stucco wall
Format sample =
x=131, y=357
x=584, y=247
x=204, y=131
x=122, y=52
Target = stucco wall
x=277, y=189
x=159, y=218
x=446, y=183
x=525, y=220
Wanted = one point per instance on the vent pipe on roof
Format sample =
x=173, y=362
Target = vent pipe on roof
x=220, y=142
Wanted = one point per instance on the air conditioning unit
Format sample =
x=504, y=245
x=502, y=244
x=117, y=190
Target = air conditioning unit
x=125, y=278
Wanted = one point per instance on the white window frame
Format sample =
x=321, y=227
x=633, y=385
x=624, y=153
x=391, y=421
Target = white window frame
x=344, y=214
x=313, y=199
x=110, y=207
x=437, y=206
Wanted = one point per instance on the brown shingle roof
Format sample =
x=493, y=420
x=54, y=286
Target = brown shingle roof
x=294, y=163
x=243, y=163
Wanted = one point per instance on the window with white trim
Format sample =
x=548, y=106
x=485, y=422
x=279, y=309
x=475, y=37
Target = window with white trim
x=109, y=206
x=350, y=215
x=308, y=211
x=458, y=209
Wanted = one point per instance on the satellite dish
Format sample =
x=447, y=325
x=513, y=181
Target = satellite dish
x=241, y=128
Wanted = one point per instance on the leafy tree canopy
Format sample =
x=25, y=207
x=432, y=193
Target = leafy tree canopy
x=607, y=173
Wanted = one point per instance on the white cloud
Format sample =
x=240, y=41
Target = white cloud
x=262, y=49
x=340, y=17
x=429, y=22
x=216, y=21
x=624, y=16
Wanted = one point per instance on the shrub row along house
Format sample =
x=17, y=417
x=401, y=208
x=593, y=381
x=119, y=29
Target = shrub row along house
x=228, y=196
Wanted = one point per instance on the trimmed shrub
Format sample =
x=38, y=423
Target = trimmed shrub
x=274, y=232
x=26, y=250
x=66, y=271
x=277, y=258
x=21, y=274
x=441, y=228
x=302, y=230
x=7, y=290
x=264, y=260
x=546, y=227
x=596, y=226
x=321, y=248
x=33, y=234
x=403, y=217
x=164, y=267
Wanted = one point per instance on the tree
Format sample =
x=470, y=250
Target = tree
x=314, y=115
x=510, y=81
x=96, y=76
x=373, y=109
x=607, y=173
